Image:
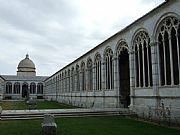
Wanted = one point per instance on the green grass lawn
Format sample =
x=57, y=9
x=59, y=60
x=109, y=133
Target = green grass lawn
x=9, y=105
x=111, y=125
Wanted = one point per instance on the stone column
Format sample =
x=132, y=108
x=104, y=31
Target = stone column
x=80, y=81
x=28, y=91
x=103, y=71
x=94, y=79
x=12, y=88
x=36, y=89
x=75, y=81
x=115, y=80
x=155, y=71
x=132, y=75
x=71, y=83
x=80, y=87
x=20, y=89
x=87, y=78
x=56, y=84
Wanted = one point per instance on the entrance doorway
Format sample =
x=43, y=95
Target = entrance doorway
x=124, y=78
x=25, y=90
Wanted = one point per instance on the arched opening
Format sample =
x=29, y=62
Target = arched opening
x=77, y=78
x=98, y=71
x=109, y=69
x=17, y=88
x=25, y=90
x=90, y=75
x=32, y=88
x=9, y=88
x=169, y=51
x=40, y=88
x=83, y=75
x=124, y=76
x=143, y=65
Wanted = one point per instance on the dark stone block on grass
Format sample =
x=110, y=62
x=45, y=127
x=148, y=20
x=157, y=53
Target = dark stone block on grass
x=49, y=126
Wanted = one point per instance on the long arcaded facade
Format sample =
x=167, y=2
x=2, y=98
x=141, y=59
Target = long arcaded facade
x=138, y=67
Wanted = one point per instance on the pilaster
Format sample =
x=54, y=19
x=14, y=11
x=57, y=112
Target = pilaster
x=132, y=75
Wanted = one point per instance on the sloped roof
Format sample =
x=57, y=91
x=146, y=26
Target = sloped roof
x=124, y=29
x=23, y=78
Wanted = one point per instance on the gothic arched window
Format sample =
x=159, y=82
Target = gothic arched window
x=32, y=88
x=143, y=64
x=17, y=88
x=169, y=51
x=109, y=69
x=90, y=74
x=72, y=79
x=65, y=81
x=98, y=71
x=69, y=84
x=77, y=78
x=83, y=76
x=40, y=88
x=9, y=88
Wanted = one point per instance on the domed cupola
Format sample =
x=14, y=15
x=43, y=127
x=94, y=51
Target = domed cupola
x=26, y=67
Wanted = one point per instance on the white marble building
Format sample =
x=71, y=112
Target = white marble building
x=137, y=67
x=24, y=84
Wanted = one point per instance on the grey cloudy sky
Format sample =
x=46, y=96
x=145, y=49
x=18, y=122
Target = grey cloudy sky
x=56, y=32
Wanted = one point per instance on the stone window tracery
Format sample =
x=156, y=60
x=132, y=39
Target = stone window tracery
x=62, y=79
x=65, y=81
x=90, y=74
x=72, y=78
x=83, y=76
x=58, y=79
x=60, y=83
x=77, y=78
x=69, y=80
x=169, y=51
x=143, y=64
x=98, y=71
x=109, y=68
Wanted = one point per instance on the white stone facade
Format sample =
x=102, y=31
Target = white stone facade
x=26, y=84
x=14, y=87
x=137, y=67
